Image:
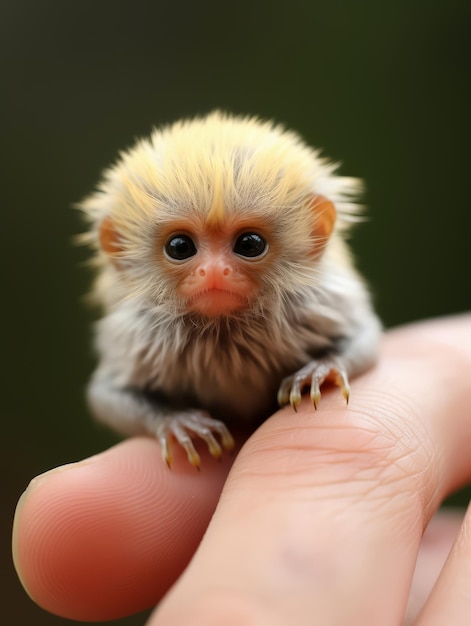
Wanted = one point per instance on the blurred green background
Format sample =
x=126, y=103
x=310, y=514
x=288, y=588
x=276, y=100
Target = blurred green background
x=383, y=87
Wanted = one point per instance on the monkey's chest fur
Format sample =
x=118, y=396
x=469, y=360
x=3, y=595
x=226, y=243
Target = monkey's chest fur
x=231, y=368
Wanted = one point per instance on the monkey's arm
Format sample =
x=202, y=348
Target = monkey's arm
x=132, y=411
x=349, y=356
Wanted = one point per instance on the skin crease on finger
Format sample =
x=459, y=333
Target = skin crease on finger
x=312, y=517
x=317, y=509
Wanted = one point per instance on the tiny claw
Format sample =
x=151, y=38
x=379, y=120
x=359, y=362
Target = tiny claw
x=214, y=448
x=192, y=455
x=315, y=392
x=166, y=454
x=204, y=427
x=342, y=382
x=295, y=400
x=227, y=440
x=186, y=443
x=346, y=393
x=282, y=397
x=193, y=458
x=284, y=391
x=316, y=398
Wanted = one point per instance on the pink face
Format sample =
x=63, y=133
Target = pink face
x=216, y=268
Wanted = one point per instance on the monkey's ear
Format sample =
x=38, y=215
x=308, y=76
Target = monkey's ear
x=109, y=239
x=325, y=215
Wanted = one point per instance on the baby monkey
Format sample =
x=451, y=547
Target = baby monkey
x=226, y=281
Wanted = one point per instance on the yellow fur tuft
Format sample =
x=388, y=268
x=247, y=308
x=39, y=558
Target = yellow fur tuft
x=216, y=214
x=216, y=168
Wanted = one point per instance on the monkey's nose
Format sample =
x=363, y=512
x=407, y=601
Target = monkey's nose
x=214, y=274
x=211, y=270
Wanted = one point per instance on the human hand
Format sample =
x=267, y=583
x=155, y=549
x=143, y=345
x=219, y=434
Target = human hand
x=320, y=519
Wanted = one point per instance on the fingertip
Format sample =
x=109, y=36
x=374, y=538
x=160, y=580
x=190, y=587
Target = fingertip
x=107, y=536
x=16, y=554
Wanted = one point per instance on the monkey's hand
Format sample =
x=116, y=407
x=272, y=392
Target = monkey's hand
x=132, y=412
x=313, y=374
x=182, y=425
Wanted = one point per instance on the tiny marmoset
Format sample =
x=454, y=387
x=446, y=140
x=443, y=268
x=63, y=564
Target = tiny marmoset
x=226, y=281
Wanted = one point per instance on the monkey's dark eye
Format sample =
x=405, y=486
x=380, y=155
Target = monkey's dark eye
x=180, y=247
x=250, y=245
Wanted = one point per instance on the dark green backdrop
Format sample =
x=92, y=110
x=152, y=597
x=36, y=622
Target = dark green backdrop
x=381, y=86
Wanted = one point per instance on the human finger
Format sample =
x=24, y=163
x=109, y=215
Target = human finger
x=107, y=536
x=450, y=600
x=322, y=515
x=434, y=548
